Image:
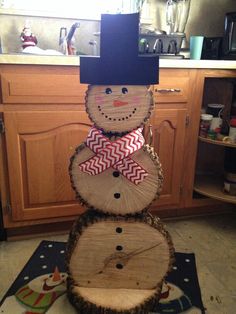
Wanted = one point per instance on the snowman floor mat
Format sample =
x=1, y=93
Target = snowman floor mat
x=41, y=285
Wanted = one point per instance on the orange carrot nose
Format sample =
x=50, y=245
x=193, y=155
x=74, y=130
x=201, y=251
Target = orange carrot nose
x=56, y=275
x=118, y=103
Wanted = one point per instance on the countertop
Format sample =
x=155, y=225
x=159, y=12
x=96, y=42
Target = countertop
x=75, y=61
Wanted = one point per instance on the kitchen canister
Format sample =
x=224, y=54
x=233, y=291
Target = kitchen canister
x=232, y=130
x=216, y=111
x=205, y=124
x=230, y=187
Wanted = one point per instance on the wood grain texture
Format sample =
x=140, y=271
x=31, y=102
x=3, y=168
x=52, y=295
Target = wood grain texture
x=39, y=146
x=118, y=112
x=168, y=127
x=171, y=202
x=212, y=186
x=173, y=87
x=135, y=258
x=100, y=191
x=121, y=247
x=113, y=301
x=21, y=85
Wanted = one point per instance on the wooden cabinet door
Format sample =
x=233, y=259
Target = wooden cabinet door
x=39, y=147
x=168, y=127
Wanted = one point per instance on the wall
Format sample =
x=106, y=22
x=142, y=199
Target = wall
x=206, y=18
x=47, y=32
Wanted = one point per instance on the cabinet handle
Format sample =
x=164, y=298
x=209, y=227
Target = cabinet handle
x=167, y=90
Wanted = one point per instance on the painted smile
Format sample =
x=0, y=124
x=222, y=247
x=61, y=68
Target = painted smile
x=127, y=117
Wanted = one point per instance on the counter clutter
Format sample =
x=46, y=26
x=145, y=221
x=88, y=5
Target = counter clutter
x=75, y=61
x=220, y=129
x=215, y=126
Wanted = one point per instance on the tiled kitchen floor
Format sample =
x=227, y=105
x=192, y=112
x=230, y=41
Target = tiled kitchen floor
x=212, y=239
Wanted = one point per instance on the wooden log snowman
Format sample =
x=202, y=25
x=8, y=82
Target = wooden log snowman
x=118, y=254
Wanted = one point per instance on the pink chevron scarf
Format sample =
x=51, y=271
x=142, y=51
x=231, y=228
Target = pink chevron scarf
x=115, y=154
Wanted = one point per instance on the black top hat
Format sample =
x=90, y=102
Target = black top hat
x=119, y=62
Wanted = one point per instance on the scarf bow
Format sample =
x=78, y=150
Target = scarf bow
x=115, y=154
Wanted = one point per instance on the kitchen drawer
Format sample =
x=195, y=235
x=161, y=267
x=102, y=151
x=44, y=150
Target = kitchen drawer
x=23, y=88
x=171, y=89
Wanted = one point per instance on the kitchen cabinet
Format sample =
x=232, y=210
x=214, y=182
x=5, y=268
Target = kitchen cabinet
x=39, y=145
x=169, y=122
x=219, y=87
x=168, y=127
x=44, y=120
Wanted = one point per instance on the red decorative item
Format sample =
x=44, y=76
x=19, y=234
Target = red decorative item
x=28, y=38
x=115, y=154
x=233, y=122
x=118, y=254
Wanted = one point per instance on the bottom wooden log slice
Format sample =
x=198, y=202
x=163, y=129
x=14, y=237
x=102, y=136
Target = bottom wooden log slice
x=110, y=191
x=117, y=264
x=113, y=301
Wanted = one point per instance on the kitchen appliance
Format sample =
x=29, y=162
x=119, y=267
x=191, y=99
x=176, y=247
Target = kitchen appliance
x=67, y=41
x=177, y=12
x=71, y=40
x=62, y=41
x=211, y=49
x=229, y=39
x=167, y=44
x=162, y=44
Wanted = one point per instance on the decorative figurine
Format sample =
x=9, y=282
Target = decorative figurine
x=118, y=254
x=28, y=39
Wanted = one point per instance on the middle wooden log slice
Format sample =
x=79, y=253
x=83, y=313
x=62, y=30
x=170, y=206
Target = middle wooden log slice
x=110, y=191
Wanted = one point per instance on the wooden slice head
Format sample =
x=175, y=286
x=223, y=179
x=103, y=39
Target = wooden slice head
x=118, y=108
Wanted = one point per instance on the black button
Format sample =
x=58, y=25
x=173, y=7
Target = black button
x=119, y=248
x=117, y=195
x=116, y=174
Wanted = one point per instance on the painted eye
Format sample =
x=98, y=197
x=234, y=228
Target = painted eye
x=108, y=90
x=124, y=90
